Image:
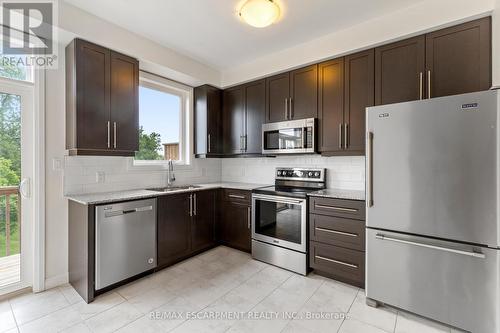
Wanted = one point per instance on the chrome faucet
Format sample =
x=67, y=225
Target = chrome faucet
x=170, y=173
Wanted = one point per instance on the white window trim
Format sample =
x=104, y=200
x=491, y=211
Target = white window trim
x=186, y=124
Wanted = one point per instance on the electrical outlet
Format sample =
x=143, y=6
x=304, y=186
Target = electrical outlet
x=56, y=164
x=100, y=177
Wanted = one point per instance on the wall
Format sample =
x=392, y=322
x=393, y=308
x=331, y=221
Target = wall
x=419, y=18
x=496, y=44
x=342, y=172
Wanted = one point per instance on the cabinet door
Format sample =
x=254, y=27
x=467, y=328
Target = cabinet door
x=124, y=102
x=331, y=105
x=277, y=95
x=233, y=119
x=359, y=94
x=255, y=107
x=92, y=96
x=400, y=71
x=202, y=227
x=459, y=59
x=173, y=228
x=304, y=93
x=207, y=120
x=235, y=226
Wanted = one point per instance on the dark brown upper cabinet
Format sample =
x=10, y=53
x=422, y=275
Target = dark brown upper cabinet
x=400, y=71
x=243, y=116
x=359, y=94
x=331, y=105
x=207, y=120
x=102, y=101
x=292, y=95
x=458, y=59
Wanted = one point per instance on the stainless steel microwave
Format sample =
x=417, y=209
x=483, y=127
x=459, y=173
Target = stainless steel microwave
x=289, y=137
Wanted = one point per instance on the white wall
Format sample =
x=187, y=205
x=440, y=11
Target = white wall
x=420, y=18
x=342, y=172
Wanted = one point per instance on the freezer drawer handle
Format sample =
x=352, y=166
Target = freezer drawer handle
x=467, y=253
x=129, y=211
x=336, y=208
x=337, y=232
x=337, y=262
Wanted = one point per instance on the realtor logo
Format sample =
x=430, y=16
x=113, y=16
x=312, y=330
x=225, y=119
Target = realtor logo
x=29, y=32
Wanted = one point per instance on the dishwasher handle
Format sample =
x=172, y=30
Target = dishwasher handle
x=128, y=211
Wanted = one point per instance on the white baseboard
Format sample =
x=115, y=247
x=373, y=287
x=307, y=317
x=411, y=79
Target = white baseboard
x=56, y=281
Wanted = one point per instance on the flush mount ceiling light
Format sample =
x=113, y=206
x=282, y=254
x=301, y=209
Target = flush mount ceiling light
x=260, y=13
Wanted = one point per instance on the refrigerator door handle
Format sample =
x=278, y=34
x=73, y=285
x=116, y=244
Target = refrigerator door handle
x=429, y=246
x=369, y=171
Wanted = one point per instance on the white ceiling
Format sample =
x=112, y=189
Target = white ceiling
x=211, y=32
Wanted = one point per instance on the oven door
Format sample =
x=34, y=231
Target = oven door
x=279, y=221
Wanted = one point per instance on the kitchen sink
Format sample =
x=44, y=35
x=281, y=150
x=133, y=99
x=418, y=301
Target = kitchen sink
x=174, y=188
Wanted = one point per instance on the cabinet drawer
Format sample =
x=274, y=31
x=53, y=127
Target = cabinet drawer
x=339, y=263
x=237, y=196
x=352, y=209
x=337, y=231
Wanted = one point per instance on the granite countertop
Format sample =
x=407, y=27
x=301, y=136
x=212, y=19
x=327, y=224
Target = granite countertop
x=107, y=197
x=339, y=194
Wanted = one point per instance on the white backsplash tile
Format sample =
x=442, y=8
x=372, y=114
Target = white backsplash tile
x=344, y=172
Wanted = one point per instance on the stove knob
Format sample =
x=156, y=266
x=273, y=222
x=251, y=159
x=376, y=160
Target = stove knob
x=279, y=173
x=310, y=174
x=316, y=174
x=300, y=174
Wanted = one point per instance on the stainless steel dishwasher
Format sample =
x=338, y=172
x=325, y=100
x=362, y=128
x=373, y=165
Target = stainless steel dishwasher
x=125, y=241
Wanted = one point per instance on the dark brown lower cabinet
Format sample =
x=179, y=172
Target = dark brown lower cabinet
x=185, y=225
x=337, y=239
x=235, y=221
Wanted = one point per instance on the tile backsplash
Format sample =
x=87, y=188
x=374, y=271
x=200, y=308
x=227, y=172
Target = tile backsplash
x=343, y=172
x=90, y=174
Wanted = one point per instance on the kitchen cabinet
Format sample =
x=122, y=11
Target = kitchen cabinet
x=337, y=239
x=203, y=220
x=174, y=228
x=185, y=225
x=458, y=59
x=346, y=88
x=235, y=224
x=244, y=114
x=207, y=121
x=292, y=95
x=400, y=71
x=102, y=101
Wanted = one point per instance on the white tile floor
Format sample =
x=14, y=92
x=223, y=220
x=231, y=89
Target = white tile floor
x=220, y=281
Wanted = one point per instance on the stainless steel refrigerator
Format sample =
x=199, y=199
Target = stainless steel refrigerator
x=433, y=231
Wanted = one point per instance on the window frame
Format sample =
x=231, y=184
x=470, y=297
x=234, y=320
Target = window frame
x=185, y=93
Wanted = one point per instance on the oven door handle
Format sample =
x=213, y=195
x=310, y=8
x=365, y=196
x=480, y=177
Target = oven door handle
x=278, y=199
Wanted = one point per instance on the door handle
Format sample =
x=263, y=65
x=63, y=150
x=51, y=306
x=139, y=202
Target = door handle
x=343, y=233
x=236, y=196
x=337, y=262
x=286, y=108
x=421, y=85
x=346, y=136
x=340, y=136
x=429, y=94
x=369, y=171
x=249, y=217
x=114, y=134
x=209, y=143
x=190, y=205
x=290, y=107
x=109, y=134
x=430, y=246
x=195, y=205
x=342, y=209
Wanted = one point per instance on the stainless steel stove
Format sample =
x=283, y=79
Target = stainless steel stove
x=279, y=218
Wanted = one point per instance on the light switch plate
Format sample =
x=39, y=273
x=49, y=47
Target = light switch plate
x=56, y=164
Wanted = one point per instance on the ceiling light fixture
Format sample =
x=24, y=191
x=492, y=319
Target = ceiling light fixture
x=260, y=13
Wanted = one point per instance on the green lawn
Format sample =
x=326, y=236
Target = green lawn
x=14, y=243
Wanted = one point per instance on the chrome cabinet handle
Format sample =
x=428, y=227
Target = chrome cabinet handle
x=190, y=205
x=195, y=208
x=421, y=85
x=209, y=148
x=429, y=246
x=114, y=134
x=342, y=209
x=346, y=136
x=429, y=95
x=337, y=232
x=249, y=217
x=286, y=108
x=340, y=136
x=236, y=196
x=290, y=108
x=369, y=171
x=109, y=135
x=337, y=262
